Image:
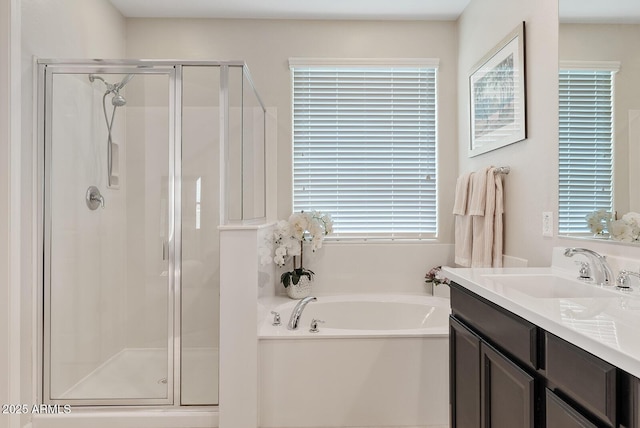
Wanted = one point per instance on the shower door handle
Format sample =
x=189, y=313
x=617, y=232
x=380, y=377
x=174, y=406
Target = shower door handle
x=164, y=250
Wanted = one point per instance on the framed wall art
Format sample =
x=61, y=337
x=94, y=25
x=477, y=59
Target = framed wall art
x=497, y=96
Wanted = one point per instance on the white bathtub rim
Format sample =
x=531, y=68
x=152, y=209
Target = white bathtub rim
x=267, y=304
x=266, y=331
x=344, y=334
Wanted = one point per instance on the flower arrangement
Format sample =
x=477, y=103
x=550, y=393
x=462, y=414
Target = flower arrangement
x=288, y=242
x=627, y=229
x=435, y=276
x=598, y=221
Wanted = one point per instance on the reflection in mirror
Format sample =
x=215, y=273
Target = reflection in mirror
x=599, y=118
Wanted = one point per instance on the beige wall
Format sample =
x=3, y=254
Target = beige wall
x=531, y=187
x=5, y=13
x=266, y=46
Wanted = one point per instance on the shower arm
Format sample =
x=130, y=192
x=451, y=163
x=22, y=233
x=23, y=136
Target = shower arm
x=113, y=87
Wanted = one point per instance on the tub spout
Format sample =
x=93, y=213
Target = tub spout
x=604, y=274
x=297, y=312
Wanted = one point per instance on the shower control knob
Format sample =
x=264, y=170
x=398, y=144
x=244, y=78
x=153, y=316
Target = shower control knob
x=93, y=198
x=314, y=325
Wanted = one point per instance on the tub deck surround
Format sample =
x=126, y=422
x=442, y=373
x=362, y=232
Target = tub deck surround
x=600, y=320
x=358, y=315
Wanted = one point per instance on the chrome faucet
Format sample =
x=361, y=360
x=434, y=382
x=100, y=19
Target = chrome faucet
x=622, y=281
x=603, y=274
x=297, y=312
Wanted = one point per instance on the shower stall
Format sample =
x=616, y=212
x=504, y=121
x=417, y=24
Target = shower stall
x=140, y=162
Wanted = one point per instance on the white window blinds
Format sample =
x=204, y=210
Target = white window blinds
x=364, y=147
x=586, y=146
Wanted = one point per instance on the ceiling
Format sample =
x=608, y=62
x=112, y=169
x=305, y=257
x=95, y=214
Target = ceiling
x=294, y=9
x=600, y=11
x=620, y=11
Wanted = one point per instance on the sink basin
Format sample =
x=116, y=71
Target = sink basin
x=547, y=286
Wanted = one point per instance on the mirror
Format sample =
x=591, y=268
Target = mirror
x=609, y=33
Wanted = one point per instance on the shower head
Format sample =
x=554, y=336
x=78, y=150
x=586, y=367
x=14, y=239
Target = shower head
x=118, y=100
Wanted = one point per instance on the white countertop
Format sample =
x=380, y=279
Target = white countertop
x=604, y=322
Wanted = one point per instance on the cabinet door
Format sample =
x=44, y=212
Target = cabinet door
x=464, y=375
x=561, y=415
x=507, y=395
x=585, y=378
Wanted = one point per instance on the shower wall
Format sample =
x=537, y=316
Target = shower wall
x=108, y=290
x=144, y=166
x=83, y=278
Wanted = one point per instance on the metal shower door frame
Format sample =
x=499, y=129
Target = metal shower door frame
x=46, y=70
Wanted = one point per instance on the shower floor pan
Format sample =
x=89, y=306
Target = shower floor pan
x=135, y=373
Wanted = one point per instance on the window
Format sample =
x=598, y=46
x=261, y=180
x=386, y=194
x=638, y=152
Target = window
x=364, y=146
x=586, y=144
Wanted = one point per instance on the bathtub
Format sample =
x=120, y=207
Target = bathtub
x=376, y=361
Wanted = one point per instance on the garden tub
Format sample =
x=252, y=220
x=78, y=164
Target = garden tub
x=376, y=361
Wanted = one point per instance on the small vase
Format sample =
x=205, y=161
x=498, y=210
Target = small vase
x=300, y=290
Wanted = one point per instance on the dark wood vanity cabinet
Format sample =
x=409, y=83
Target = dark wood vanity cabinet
x=487, y=388
x=507, y=394
x=507, y=372
x=561, y=414
x=464, y=375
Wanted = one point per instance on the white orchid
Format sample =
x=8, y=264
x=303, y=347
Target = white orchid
x=598, y=221
x=300, y=223
x=288, y=238
x=293, y=248
x=627, y=229
x=620, y=231
x=328, y=223
x=632, y=219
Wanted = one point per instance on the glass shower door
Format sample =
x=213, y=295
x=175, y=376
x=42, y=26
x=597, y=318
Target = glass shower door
x=109, y=235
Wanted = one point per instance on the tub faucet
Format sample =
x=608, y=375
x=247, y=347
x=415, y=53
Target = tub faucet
x=603, y=275
x=622, y=281
x=297, y=312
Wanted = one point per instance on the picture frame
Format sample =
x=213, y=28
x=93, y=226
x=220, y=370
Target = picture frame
x=497, y=96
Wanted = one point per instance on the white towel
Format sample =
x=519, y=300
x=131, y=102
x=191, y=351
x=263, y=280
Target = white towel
x=463, y=225
x=461, y=196
x=487, y=229
x=479, y=228
x=478, y=193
